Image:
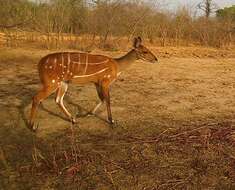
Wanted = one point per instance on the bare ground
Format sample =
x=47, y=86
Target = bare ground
x=174, y=128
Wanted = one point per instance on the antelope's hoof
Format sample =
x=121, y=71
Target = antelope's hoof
x=90, y=114
x=33, y=128
x=111, y=121
x=73, y=121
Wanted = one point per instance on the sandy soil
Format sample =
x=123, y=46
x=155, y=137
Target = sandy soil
x=146, y=99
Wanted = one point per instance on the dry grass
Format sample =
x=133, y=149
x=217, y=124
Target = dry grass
x=198, y=158
x=175, y=127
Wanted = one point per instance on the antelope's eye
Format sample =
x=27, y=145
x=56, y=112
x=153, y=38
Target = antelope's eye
x=145, y=52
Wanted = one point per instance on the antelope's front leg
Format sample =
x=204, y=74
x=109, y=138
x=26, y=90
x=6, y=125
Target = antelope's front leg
x=107, y=101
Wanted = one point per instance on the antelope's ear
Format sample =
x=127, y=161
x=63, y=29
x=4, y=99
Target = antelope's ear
x=137, y=42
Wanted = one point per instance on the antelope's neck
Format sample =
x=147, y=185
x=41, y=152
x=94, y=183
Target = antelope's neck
x=125, y=61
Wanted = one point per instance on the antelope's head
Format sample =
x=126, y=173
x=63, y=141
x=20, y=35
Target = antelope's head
x=142, y=52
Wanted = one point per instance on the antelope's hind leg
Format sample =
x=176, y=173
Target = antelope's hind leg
x=103, y=93
x=59, y=100
x=37, y=99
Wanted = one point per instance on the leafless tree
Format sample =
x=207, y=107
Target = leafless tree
x=68, y=23
x=207, y=6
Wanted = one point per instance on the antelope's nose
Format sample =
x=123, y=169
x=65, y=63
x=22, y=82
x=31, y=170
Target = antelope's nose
x=156, y=60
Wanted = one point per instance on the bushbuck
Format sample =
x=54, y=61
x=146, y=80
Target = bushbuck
x=57, y=70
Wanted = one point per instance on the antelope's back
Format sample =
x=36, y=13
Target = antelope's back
x=64, y=66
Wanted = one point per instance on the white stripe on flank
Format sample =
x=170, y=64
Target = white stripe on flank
x=86, y=64
x=68, y=63
x=62, y=61
x=91, y=74
x=98, y=63
x=75, y=62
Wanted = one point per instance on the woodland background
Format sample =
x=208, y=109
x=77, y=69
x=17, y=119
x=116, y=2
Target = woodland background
x=84, y=24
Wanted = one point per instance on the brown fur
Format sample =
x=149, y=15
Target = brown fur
x=57, y=69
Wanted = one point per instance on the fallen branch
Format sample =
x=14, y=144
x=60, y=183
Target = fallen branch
x=189, y=131
x=138, y=142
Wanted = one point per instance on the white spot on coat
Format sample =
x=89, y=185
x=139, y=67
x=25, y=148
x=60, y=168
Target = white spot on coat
x=53, y=81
